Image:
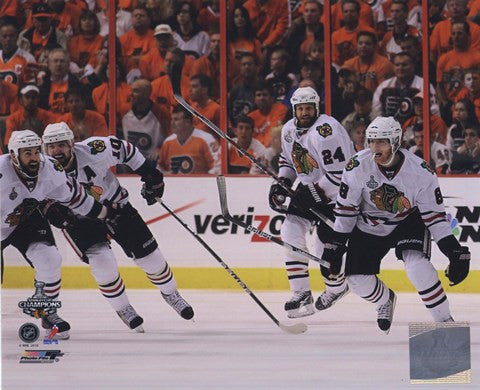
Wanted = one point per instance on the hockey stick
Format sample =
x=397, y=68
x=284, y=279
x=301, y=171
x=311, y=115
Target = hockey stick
x=294, y=329
x=175, y=80
x=222, y=192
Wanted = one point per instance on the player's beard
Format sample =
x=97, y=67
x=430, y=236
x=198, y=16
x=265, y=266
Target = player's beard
x=305, y=122
x=31, y=169
x=62, y=159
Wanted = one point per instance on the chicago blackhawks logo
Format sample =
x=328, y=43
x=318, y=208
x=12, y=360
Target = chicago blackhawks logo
x=56, y=165
x=97, y=146
x=93, y=190
x=302, y=160
x=324, y=130
x=352, y=163
x=388, y=198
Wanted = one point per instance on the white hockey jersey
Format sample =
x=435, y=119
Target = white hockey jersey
x=52, y=183
x=376, y=204
x=317, y=155
x=439, y=154
x=94, y=158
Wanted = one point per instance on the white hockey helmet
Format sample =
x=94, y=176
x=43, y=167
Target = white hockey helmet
x=305, y=95
x=385, y=127
x=57, y=132
x=22, y=139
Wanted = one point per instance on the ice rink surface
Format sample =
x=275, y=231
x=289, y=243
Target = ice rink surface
x=231, y=345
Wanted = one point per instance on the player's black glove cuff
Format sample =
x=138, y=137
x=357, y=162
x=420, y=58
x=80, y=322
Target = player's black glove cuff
x=58, y=215
x=459, y=257
x=153, y=186
x=333, y=253
x=278, y=195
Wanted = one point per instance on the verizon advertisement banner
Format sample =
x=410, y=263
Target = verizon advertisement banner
x=196, y=201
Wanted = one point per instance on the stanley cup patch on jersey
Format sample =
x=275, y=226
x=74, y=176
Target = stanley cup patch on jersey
x=97, y=146
x=302, y=160
x=352, y=163
x=325, y=130
x=388, y=198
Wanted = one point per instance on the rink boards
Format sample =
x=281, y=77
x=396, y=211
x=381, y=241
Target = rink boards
x=258, y=261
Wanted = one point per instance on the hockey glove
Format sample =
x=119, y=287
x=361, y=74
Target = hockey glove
x=153, y=186
x=278, y=195
x=113, y=214
x=459, y=265
x=333, y=253
x=58, y=215
x=310, y=196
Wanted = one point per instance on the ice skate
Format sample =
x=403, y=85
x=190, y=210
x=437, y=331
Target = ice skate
x=130, y=317
x=51, y=320
x=300, y=305
x=385, y=312
x=328, y=298
x=449, y=319
x=179, y=304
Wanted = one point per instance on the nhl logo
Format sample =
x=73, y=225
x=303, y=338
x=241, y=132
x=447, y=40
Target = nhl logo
x=372, y=183
x=13, y=194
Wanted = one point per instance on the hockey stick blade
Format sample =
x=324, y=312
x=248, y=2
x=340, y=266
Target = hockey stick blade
x=293, y=329
x=222, y=192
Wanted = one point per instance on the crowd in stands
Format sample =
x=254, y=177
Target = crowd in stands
x=54, y=66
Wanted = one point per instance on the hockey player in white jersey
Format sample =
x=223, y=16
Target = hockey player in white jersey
x=390, y=198
x=27, y=178
x=315, y=148
x=89, y=162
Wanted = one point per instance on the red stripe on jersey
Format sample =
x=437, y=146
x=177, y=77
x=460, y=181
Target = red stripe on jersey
x=295, y=269
x=432, y=218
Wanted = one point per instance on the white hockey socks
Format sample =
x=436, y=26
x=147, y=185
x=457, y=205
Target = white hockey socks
x=105, y=271
x=370, y=288
x=158, y=271
x=47, y=263
x=424, y=277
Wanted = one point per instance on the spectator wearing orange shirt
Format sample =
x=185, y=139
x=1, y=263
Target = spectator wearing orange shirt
x=391, y=41
x=139, y=40
x=268, y=114
x=84, y=46
x=371, y=68
x=270, y=20
x=56, y=82
x=440, y=41
x=84, y=123
x=210, y=65
x=188, y=35
x=305, y=32
x=162, y=90
x=67, y=16
x=14, y=62
x=438, y=128
x=100, y=94
x=29, y=115
x=237, y=162
x=471, y=91
x=366, y=16
x=241, y=39
x=9, y=7
x=152, y=64
x=209, y=15
x=452, y=65
x=43, y=36
x=188, y=150
x=200, y=86
x=8, y=99
x=344, y=40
